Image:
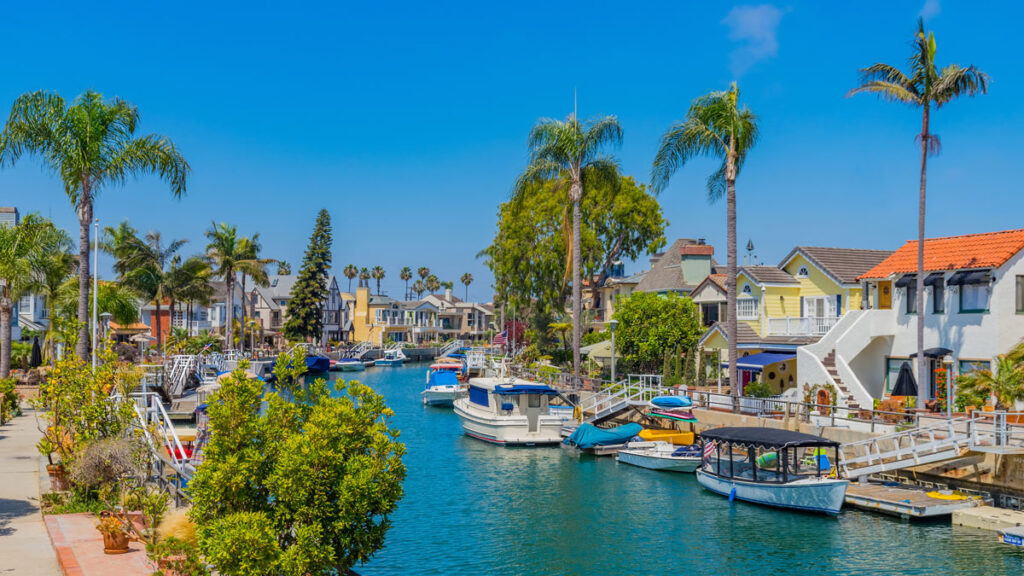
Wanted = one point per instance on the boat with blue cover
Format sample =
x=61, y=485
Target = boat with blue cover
x=586, y=436
x=510, y=412
x=443, y=386
x=773, y=467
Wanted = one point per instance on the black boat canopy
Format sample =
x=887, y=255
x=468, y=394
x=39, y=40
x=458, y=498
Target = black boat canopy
x=766, y=437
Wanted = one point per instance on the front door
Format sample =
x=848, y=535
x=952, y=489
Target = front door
x=745, y=377
x=885, y=295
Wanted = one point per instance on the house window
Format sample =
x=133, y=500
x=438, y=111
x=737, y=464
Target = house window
x=1020, y=294
x=709, y=312
x=974, y=298
x=746, y=289
x=746, y=309
x=802, y=272
x=939, y=297
x=912, y=298
x=968, y=366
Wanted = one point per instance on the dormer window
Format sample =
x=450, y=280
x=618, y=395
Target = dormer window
x=802, y=272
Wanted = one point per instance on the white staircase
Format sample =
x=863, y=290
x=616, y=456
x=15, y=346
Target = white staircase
x=449, y=347
x=943, y=440
x=359, y=350
x=635, y=390
x=182, y=368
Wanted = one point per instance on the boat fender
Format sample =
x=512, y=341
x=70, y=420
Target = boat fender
x=732, y=494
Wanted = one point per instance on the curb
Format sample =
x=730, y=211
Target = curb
x=65, y=556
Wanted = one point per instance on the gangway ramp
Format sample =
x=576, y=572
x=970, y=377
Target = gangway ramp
x=936, y=442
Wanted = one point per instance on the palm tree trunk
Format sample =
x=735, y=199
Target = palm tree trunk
x=923, y=391
x=51, y=331
x=6, y=314
x=159, y=326
x=229, y=283
x=730, y=283
x=241, y=346
x=577, y=288
x=84, y=221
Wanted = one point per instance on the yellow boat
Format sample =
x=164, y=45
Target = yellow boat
x=678, y=438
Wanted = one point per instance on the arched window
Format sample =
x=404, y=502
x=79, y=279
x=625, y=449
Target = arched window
x=746, y=289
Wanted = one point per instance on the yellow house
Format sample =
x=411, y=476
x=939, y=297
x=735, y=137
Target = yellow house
x=780, y=308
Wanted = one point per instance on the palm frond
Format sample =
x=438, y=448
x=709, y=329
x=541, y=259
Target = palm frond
x=955, y=81
x=680, y=144
x=151, y=154
x=888, y=91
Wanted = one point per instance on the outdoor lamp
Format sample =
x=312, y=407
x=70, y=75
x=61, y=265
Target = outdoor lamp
x=948, y=361
x=612, y=324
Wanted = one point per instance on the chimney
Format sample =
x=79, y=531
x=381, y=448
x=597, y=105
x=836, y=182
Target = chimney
x=447, y=293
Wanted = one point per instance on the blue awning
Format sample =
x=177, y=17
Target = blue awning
x=516, y=389
x=757, y=362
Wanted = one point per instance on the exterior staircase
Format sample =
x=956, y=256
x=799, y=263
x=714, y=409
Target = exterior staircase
x=615, y=398
x=943, y=440
x=845, y=397
x=451, y=346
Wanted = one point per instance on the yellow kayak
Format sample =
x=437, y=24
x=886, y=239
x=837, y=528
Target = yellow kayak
x=678, y=438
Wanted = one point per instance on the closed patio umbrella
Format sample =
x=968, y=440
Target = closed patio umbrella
x=36, y=359
x=905, y=383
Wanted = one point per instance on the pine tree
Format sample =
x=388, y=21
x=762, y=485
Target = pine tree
x=666, y=370
x=689, y=373
x=305, y=307
x=702, y=370
x=677, y=367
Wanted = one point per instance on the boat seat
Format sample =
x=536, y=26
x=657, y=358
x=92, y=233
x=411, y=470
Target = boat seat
x=507, y=406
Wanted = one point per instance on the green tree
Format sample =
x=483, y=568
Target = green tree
x=418, y=288
x=283, y=268
x=192, y=285
x=364, y=277
x=651, y=325
x=716, y=125
x=702, y=369
x=423, y=272
x=530, y=252
x=55, y=265
x=572, y=152
x=306, y=305
x=305, y=486
x=1005, y=384
x=252, y=266
x=467, y=279
x=924, y=87
x=432, y=284
x=20, y=255
x=224, y=252
x=91, y=144
x=147, y=262
x=351, y=272
x=690, y=368
x=447, y=284
x=378, y=274
x=406, y=275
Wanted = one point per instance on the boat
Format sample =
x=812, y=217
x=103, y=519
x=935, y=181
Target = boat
x=510, y=412
x=449, y=364
x=773, y=467
x=392, y=357
x=661, y=455
x=670, y=436
x=348, y=365
x=443, y=386
x=317, y=363
x=590, y=437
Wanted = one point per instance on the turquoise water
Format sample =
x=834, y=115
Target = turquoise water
x=473, y=508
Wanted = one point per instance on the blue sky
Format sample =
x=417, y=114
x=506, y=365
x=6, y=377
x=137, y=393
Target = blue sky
x=409, y=121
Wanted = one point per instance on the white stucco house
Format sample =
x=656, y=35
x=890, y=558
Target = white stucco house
x=974, y=311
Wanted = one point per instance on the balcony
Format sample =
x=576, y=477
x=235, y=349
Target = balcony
x=405, y=322
x=801, y=326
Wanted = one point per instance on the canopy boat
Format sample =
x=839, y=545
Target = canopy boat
x=773, y=467
x=392, y=357
x=348, y=365
x=590, y=437
x=660, y=455
x=443, y=387
x=509, y=411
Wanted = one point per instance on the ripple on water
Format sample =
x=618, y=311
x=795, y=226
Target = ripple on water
x=474, y=508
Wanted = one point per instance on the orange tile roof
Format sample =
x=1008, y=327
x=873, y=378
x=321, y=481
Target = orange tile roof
x=718, y=279
x=989, y=250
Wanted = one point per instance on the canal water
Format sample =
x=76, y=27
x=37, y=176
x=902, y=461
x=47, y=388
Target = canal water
x=473, y=508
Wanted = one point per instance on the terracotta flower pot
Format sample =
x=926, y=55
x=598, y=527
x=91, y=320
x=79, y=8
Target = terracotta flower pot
x=116, y=543
x=58, y=477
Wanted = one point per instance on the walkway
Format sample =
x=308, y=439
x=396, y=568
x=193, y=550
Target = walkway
x=25, y=547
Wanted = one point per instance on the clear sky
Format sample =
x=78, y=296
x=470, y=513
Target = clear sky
x=409, y=121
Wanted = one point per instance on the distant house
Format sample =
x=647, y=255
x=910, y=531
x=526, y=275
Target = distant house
x=709, y=296
x=679, y=270
x=603, y=300
x=460, y=319
x=9, y=216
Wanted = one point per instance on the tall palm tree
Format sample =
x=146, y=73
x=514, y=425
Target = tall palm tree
x=364, y=278
x=447, y=284
x=423, y=272
x=19, y=253
x=406, y=275
x=56, y=264
x=716, y=125
x=224, y=252
x=192, y=285
x=378, y=274
x=419, y=288
x=251, y=265
x=926, y=86
x=351, y=272
x=431, y=284
x=149, y=262
x=117, y=241
x=467, y=279
x=572, y=151
x=91, y=144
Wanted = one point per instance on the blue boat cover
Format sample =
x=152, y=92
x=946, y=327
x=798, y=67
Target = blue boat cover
x=588, y=435
x=672, y=401
x=456, y=355
x=442, y=379
x=516, y=389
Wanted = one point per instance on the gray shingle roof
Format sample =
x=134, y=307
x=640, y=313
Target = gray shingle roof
x=843, y=264
x=768, y=275
x=666, y=274
x=746, y=335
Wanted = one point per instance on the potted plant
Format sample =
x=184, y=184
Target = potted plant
x=58, y=474
x=115, y=533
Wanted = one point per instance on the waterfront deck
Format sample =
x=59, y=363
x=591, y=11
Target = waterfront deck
x=903, y=501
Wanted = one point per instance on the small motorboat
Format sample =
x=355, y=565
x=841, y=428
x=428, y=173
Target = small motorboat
x=348, y=365
x=392, y=357
x=316, y=363
x=773, y=467
x=660, y=455
x=510, y=412
x=443, y=387
x=589, y=437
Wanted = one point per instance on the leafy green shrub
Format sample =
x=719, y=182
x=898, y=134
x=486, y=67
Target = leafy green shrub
x=10, y=400
x=758, y=389
x=652, y=324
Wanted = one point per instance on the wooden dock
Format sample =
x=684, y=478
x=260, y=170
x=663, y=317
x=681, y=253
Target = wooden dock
x=903, y=500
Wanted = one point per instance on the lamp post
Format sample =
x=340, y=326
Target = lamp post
x=95, y=285
x=613, y=324
x=948, y=361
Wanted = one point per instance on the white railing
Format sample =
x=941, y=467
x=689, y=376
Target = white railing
x=919, y=445
x=408, y=322
x=158, y=429
x=801, y=326
x=998, y=432
x=636, y=389
x=759, y=406
x=449, y=347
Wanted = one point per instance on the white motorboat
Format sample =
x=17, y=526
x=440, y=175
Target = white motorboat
x=348, y=365
x=509, y=411
x=660, y=455
x=392, y=357
x=773, y=467
x=443, y=386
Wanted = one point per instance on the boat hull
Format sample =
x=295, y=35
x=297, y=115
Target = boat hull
x=351, y=367
x=391, y=362
x=823, y=496
x=508, y=430
x=655, y=462
x=441, y=396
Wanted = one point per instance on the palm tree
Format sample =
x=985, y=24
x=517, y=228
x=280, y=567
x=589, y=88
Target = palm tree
x=406, y=275
x=192, y=285
x=924, y=87
x=1006, y=385
x=117, y=241
x=467, y=279
x=431, y=284
x=91, y=144
x=573, y=151
x=716, y=125
x=149, y=262
x=419, y=288
x=351, y=272
x=19, y=253
x=56, y=264
x=447, y=284
x=378, y=274
x=224, y=252
x=364, y=278
x=250, y=264
x=423, y=272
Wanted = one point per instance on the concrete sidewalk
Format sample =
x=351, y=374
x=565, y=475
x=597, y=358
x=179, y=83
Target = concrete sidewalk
x=25, y=547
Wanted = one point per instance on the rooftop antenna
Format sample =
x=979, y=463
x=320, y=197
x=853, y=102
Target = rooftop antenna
x=750, y=253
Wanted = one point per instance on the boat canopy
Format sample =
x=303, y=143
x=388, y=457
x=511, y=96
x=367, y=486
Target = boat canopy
x=517, y=389
x=766, y=437
x=443, y=379
x=587, y=435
